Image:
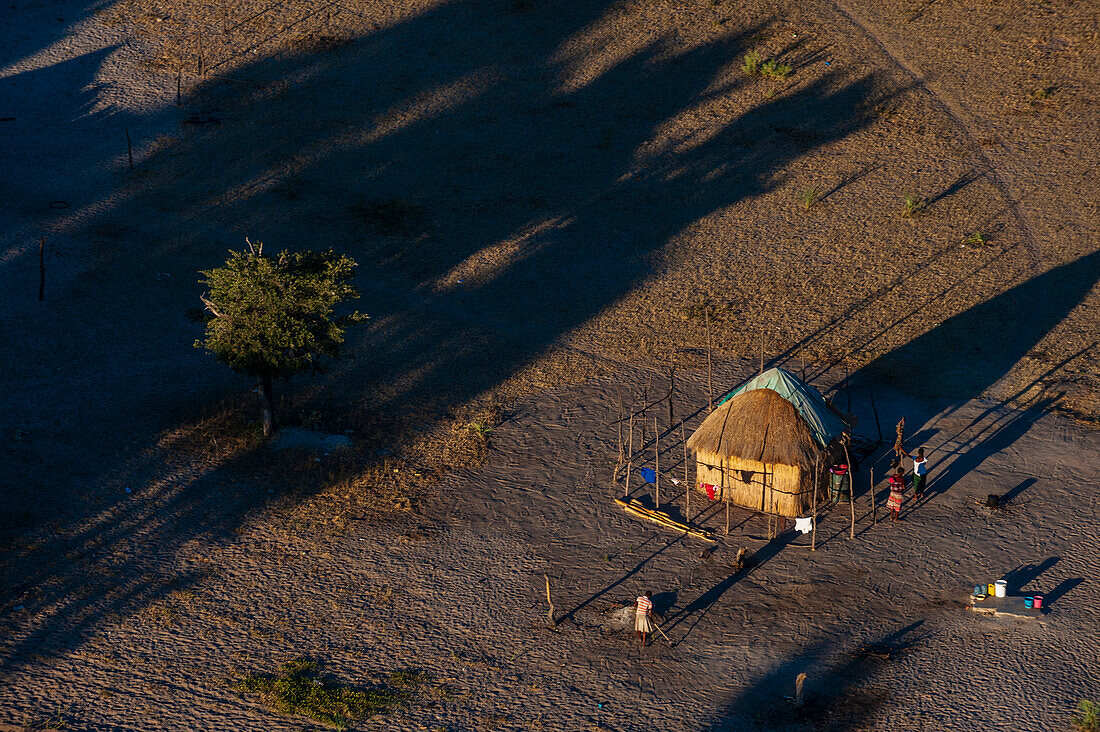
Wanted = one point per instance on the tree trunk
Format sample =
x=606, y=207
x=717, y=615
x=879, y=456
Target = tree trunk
x=267, y=406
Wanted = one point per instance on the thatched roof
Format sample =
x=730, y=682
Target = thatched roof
x=757, y=425
x=825, y=423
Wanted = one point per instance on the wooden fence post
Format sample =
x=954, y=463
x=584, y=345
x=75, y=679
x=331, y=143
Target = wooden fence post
x=657, y=460
x=687, y=486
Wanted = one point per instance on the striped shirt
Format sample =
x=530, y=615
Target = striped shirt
x=644, y=605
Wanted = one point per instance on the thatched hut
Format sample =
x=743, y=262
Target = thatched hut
x=761, y=446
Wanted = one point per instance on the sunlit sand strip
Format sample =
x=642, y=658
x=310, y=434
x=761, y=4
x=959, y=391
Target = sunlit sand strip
x=491, y=261
x=420, y=109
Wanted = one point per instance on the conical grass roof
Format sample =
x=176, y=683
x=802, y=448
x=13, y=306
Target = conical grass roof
x=757, y=425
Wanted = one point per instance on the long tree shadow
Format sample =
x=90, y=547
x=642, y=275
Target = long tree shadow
x=438, y=128
x=971, y=351
x=838, y=695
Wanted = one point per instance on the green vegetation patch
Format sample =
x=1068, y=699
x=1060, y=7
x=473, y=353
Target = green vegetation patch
x=754, y=64
x=298, y=688
x=1087, y=718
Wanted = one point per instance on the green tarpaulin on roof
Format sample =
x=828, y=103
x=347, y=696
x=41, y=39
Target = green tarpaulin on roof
x=824, y=423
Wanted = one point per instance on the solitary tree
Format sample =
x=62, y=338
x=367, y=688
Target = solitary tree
x=273, y=317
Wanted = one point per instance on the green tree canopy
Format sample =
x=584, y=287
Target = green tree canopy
x=272, y=317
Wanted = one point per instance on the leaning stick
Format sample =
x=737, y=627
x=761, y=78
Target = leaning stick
x=663, y=634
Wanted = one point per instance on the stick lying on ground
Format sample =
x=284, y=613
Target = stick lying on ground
x=635, y=507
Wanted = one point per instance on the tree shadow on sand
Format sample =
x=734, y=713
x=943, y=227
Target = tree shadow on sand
x=837, y=695
x=418, y=113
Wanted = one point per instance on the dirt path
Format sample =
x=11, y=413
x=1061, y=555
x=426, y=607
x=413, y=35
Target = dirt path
x=943, y=101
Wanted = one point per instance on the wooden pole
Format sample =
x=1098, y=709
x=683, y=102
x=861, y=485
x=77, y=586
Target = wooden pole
x=813, y=529
x=762, y=332
x=657, y=461
x=129, y=149
x=813, y=514
x=671, y=388
x=726, y=495
x=848, y=386
x=710, y=385
x=202, y=55
x=630, y=455
x=851, y=488
x=874, y=508
x=41, y=269
x=225, y=22
x=619, y=425
x=549, y=615
x=687, y=486
x=802, y=358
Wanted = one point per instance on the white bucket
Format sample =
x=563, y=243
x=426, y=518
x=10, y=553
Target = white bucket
x=1001, y=588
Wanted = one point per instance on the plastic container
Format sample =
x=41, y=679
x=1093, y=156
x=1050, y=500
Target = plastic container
x=1037, y=601
x=1029, y=602
x=990, y=589
x=1000, y=588
x=840, y=484
x=979, y=590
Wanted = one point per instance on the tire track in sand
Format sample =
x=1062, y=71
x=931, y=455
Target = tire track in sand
x=943, y=102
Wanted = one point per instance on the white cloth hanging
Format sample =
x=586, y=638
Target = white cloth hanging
x=804, y=525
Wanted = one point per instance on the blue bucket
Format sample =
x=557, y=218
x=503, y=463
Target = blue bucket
x=1029, y=602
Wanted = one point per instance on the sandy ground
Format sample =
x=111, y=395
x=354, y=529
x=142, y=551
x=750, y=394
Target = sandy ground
x=541, y=195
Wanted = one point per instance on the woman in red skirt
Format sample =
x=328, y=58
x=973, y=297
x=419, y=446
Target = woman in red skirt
x=897, y=493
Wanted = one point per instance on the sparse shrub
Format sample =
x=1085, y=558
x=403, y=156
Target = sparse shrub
x=809, y=197
x=298, y=688
x=481, y=428
x=913, y=205
x=1087, y=716
x=409, y=677
x=975, y=239
x=751, y=63
x=775, y=70
x=1043, y=92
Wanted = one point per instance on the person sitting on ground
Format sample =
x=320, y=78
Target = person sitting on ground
x=920, y=472
x=897, y=493
x=643, y=624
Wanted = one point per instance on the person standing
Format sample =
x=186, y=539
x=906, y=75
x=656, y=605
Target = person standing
x=897, y=493
x=920, y=472
x=643, y=623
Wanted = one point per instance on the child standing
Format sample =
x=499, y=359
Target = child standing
x=920, y=472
